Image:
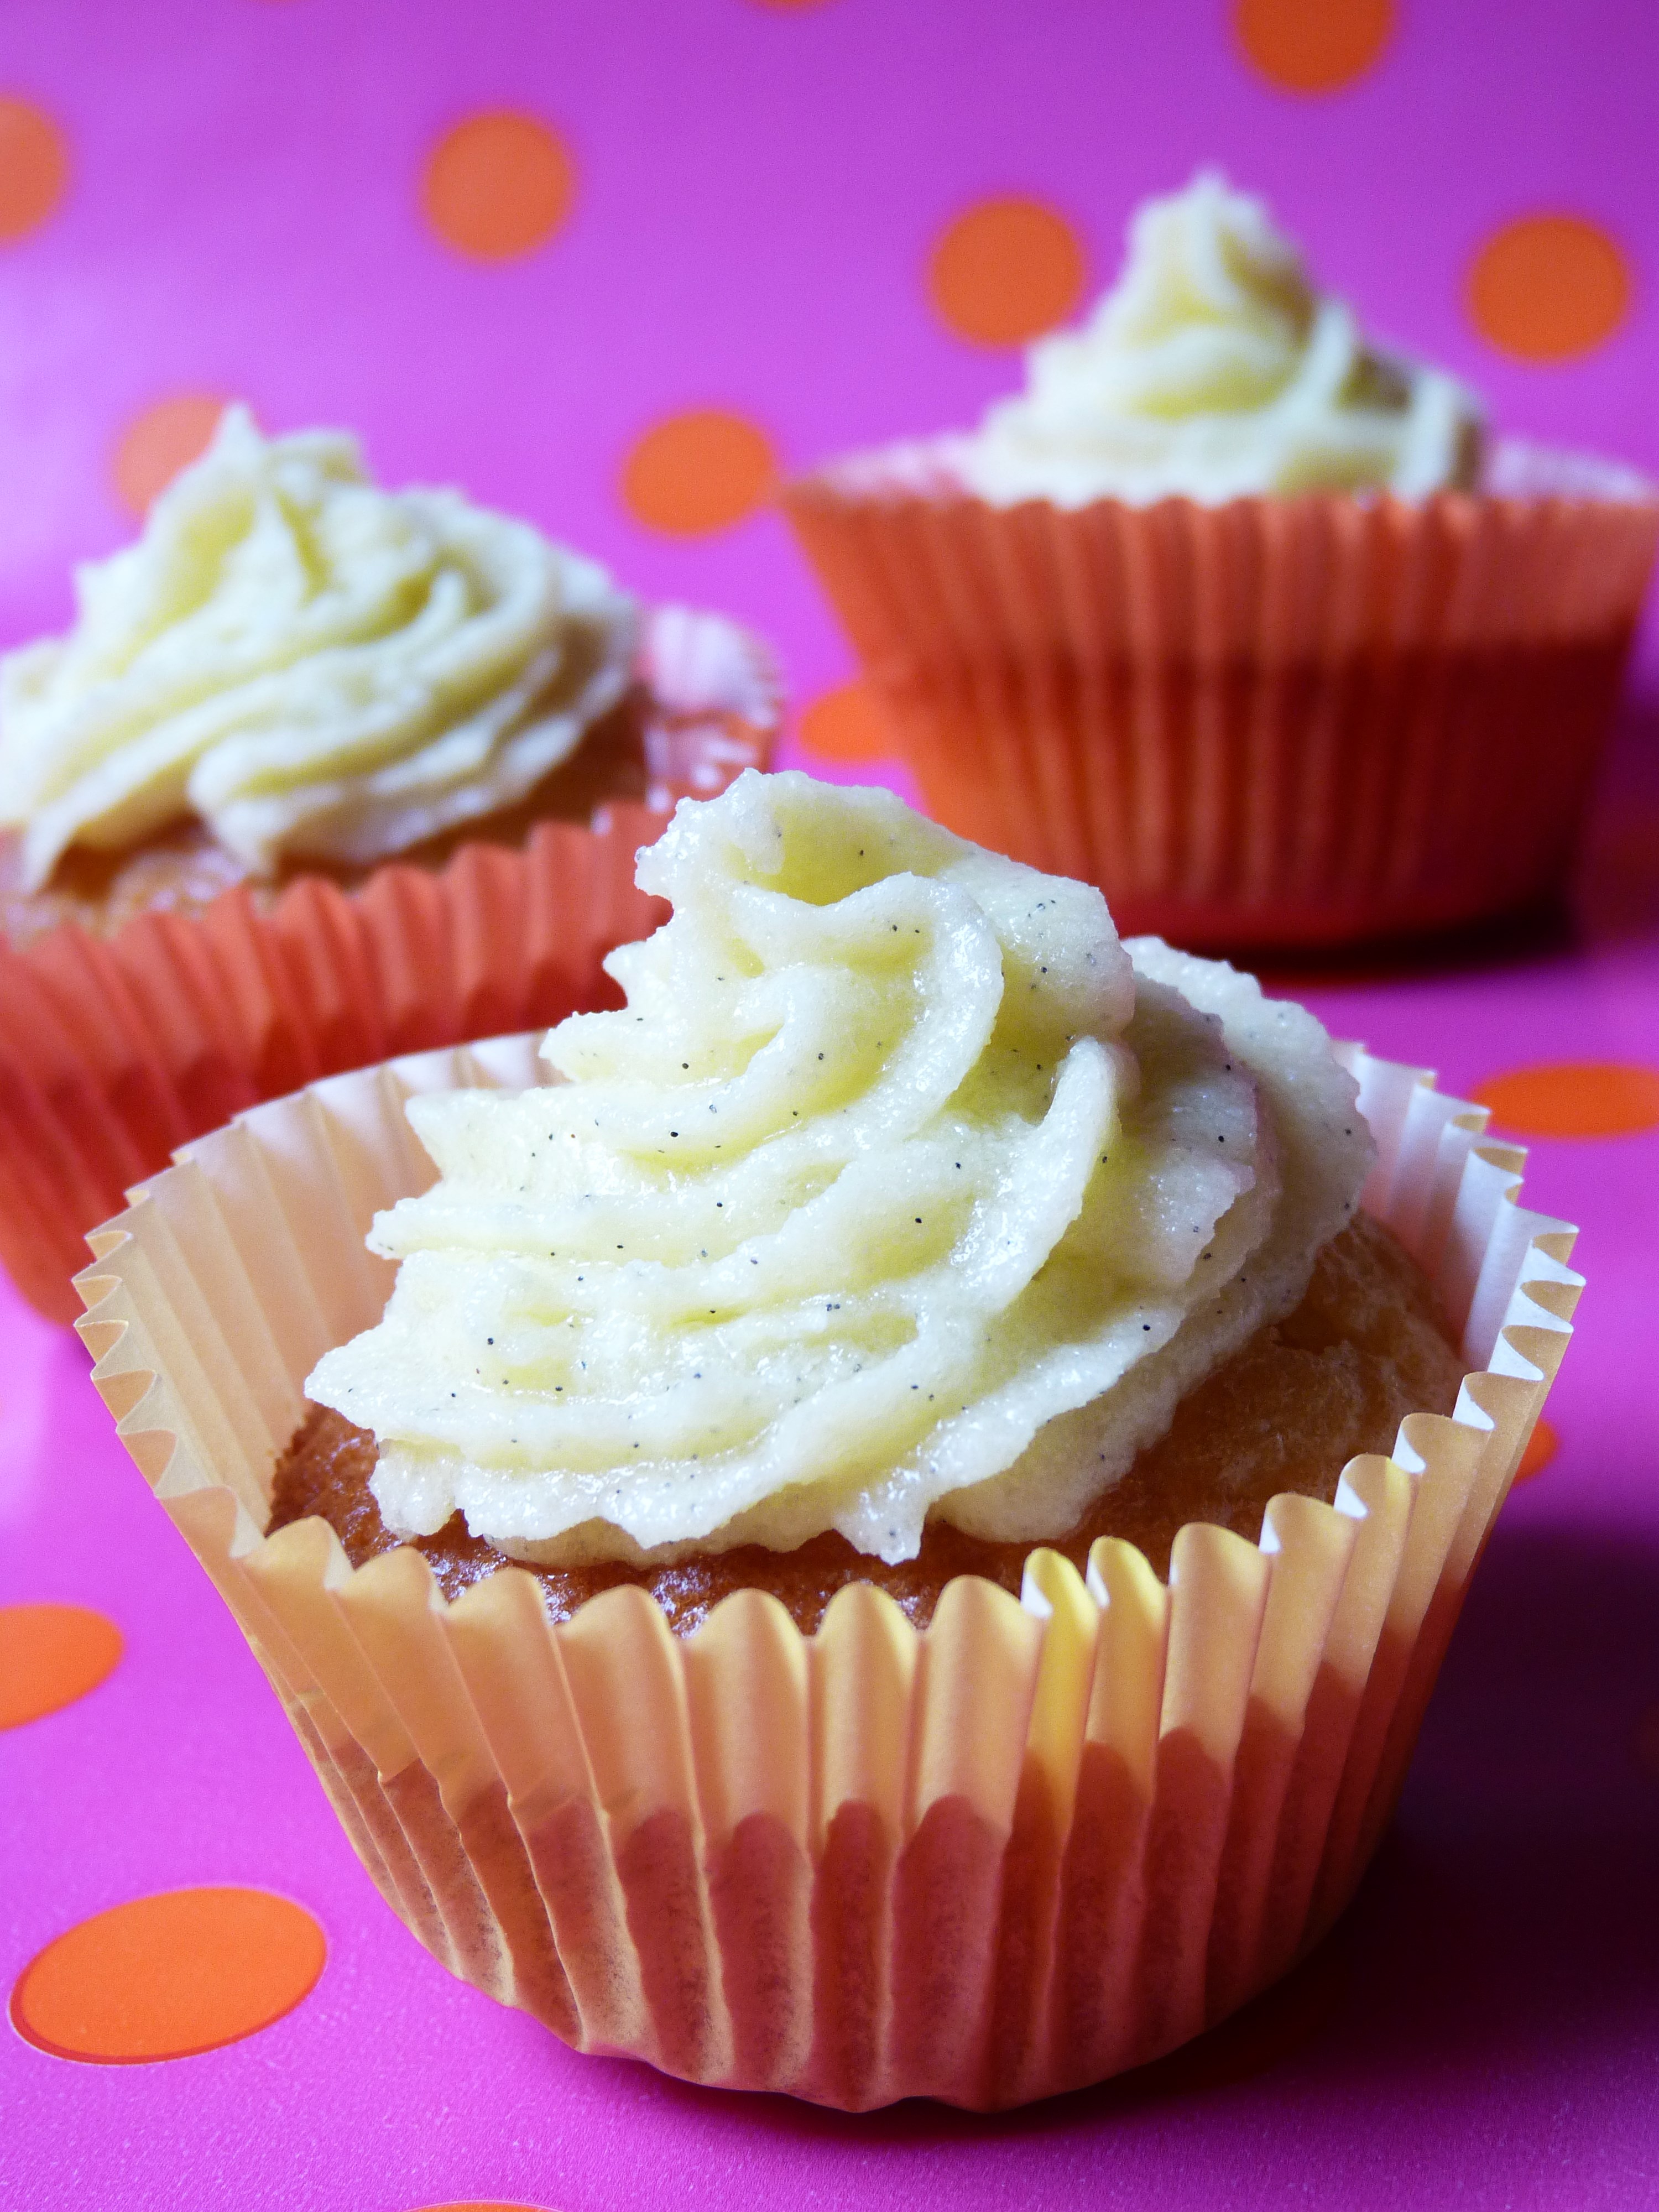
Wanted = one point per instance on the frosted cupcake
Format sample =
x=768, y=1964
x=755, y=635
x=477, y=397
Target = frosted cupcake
x=293, y=692
x=1240, y=615
x=800, y=1397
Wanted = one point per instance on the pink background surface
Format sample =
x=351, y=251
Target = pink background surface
x=757, y=193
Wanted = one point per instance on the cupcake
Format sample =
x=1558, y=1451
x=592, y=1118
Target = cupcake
x=892, y=1532
x=1240, y=616
x=321, y=772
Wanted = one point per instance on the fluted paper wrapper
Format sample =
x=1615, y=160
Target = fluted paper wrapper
x=1278, y=721
x=1037, y=1843
x=115, y=1050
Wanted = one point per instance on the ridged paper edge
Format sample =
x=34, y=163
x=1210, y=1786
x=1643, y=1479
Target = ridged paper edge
x=1037, y=1843
x=1277, y=721
x=114, y=1051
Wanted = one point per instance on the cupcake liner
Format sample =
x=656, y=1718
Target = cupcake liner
x=115, y=1050
x=1278, y=721
x=1041, y=1841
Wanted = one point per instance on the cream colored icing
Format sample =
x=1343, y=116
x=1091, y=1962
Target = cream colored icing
x=1213, y=369
x=891, y=1191
x=309, y=664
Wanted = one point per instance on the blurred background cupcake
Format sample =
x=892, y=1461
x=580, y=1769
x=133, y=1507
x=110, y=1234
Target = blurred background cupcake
x=319, y=771
x=1240, y=616
x=612, y=270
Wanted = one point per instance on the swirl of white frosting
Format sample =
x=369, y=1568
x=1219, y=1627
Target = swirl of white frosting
x=309, y=664
x=1213, y=370
x=886, y=1193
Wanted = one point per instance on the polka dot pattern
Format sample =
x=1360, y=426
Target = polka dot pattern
x=1313, y=46
x=50, y=1656
x=1005, y=270
x=1573, y=1098
x=169, y=1976
x=1549, y=287
x=847, y=723
x=1542, y=1447
x=156, y=444
x=412, y=202
x=698, y=471
x=34, y=168
x=498, y=185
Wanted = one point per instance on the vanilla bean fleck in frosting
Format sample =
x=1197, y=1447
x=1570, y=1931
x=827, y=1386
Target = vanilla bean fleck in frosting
x=311, y=665
x=1213, y=370
x=900, y=1186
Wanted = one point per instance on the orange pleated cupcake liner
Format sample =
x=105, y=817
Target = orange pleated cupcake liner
x=1278, y=721
x=1041, y=1841
x=115, y=1050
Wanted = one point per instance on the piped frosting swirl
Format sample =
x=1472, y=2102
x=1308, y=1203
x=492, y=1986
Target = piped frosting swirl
x=891, y=1191
x=310, y=664
x=1213, y=369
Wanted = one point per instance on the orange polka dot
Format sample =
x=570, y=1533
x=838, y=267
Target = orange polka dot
x=1548, y=288
x=50, y=1656
x=34, y=167
x=497, y=185
x=848, y=723
x=698, y=471
x=169, y=1976
x=1574, y=1098
x=1542, y=1447
x=157, y=444
x=1313, y=46
x=1005, y=272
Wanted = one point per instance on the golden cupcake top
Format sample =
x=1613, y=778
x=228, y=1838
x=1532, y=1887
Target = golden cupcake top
x=900, y=1186
x=1213, y=369
x=311, y=665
